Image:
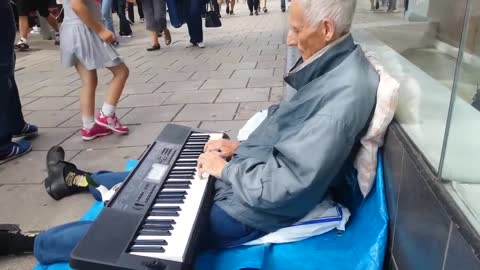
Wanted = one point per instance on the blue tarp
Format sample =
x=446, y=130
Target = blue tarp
x=361, y=247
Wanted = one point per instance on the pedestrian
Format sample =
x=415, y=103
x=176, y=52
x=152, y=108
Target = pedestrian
x=194, y=23
x=230, y=6
x=253, y=6
x=12, y=123
x=106, y=10
x=25, y=7
x=86, y=45
x=125, y=29
x=130, y=10
x=283, y=5
x=155, y=12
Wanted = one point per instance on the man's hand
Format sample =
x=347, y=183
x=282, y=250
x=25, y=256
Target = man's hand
x=106, y=35
x=211, y=163
x=222, y=147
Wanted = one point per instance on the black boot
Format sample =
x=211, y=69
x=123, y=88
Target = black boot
x=13, y=241
x=64, y=178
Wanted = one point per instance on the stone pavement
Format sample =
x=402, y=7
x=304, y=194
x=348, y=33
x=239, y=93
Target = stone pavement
x=219, y=87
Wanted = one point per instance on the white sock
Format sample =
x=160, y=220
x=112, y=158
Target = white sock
x=108, y=110
x=88, y=122
x=24, y=40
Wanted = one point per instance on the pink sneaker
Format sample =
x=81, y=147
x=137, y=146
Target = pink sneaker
x=95, y=132
x=111, y=122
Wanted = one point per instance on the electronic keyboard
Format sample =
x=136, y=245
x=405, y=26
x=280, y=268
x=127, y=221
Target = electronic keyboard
x=155, y=219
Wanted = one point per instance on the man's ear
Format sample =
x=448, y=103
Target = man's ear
x=328, y=29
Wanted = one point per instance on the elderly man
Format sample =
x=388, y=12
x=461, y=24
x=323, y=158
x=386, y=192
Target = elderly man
x=301, y=151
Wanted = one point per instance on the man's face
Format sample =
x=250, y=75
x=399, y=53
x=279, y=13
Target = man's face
x=308, y=39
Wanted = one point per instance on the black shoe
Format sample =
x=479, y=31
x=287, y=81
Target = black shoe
x=283, y=9
x=63, y=178
x=22, y=46
x=251, y=13
x=228, y=10
x=256, y=13
x=154, y=48
x=13, y=241
x=265, y=10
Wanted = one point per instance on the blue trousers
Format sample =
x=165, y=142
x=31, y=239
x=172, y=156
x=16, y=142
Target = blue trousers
x=282, y=4
x=56, y=244
x=11, y=117
x=194, y=21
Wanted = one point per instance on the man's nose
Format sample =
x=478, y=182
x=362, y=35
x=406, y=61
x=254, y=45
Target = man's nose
x=291, y=39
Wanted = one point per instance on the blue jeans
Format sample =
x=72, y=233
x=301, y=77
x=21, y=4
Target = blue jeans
x=11, y=117
x=107, y=15
x=56, y=244
x=194, y=21
x=282, y=4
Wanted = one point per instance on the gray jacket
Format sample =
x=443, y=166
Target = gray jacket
x=291, y=160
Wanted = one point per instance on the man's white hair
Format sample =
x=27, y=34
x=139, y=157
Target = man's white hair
x=340, y=11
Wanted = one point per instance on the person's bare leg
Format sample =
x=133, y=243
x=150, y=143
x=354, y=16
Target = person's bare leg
x=53, y=22
x=232, y=3
x=87, y=96
x=115, y=89
x=23, y=26
x=153, y=39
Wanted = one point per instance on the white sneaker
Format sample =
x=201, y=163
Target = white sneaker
x=201, y=45
x=36, y=30
x=190, y=45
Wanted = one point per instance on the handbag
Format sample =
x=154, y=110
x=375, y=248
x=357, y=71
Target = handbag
x=212, y=18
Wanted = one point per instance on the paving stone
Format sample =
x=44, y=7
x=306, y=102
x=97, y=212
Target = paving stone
x=248, y=109
x=202, y=67
x=27, y=169
x=18, y=262
x=229, y=127
x=185, y=97
x=50, y=103
x=237, y=66
x=259, y=58
x=107, y=159
x=145, y=100
x=52, y=91
x=76, y=120
x=205, y=75
x=192, y=112
x=48, y=118
x=38, y=211
x=243, y=95
x=265, y=82
x=49, y=137
x=27, y=100
x=180, y=86
x=144, y=88
x=271, y=64
x=170, y=76
x=253, y=73
x=140, y=135
x=276, y=94
x=138, y=79
x=227, y=83
x=142, y=115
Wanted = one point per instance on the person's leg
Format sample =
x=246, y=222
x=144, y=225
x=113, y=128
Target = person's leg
x=140, y=10
x=130, y=13
x=87, y=95
x=283, y=5
x=107, y=14
x=52, y=21
x=232, y=6
x=225, y=231
x=125, y=29
x=56, y=244
x=256, y=5
x=250, y=6
x=107, y=117
x=106, y=179
x=194, y=22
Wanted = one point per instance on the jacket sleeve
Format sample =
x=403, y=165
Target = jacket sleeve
x=309, y=158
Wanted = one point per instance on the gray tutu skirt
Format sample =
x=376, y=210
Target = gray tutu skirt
x=79, y=44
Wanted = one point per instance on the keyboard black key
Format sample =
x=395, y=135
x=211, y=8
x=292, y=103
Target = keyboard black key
x=150, y=242
x=179, y=182
x=164, y=227
x=181, y=176
x=169, y=201
x=163, y=221
x=146, y=232
x=174, y=208
x=166, y=192
x=169, y=196
x=154, y=249
x=163, y=213
x=176, y=186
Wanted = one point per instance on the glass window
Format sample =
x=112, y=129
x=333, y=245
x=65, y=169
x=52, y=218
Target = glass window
x=462, y=153
x=420, y=49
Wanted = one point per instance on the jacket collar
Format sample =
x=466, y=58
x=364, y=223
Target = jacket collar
x=320, y=63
